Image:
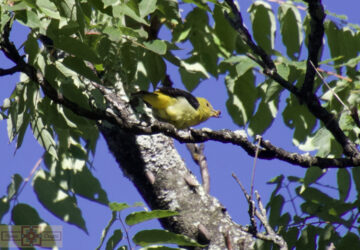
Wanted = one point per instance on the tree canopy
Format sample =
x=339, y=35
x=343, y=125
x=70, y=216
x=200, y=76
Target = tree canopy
x=82, y=61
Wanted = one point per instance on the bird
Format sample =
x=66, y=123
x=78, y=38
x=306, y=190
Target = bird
x=178, y=107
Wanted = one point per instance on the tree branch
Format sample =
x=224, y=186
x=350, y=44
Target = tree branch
x=317, y=15
x=123, y=112
x=10, y=71
x=311, y=100
x=197, y=154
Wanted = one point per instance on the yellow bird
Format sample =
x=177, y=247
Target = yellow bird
x=178, y=107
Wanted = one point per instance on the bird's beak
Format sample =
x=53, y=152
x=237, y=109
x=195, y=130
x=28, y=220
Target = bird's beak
x=216, y=113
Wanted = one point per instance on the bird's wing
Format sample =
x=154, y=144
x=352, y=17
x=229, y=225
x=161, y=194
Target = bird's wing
x=173, y=92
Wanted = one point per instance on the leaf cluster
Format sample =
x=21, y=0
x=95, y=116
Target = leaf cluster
x=71, y=43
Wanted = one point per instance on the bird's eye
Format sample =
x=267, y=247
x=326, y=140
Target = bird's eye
x=207, y=104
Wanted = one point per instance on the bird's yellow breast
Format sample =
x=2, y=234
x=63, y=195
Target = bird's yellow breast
x=180, y=113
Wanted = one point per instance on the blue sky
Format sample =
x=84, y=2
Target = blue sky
x=223, y=159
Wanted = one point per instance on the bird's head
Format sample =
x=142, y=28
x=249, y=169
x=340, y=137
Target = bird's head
x=206, y=109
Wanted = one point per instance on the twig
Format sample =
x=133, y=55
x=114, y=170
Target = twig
x=197, y=154
x=331, y=90
x=252, y=208
x=353, y=111
x=291, y=199
x=335, y=74
x=254, y=166
x=126, y=232
x=26, y=180
x=261, y=214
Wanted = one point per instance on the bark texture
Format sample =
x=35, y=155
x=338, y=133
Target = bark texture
x=154, y=166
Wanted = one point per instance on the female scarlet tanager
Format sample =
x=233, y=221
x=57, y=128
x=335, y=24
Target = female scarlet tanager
x=178, y=107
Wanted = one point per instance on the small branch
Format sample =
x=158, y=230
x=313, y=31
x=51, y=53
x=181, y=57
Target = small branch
x=317, y=14
x=266, y=62
x=126, y=232
x=123, y=112
x=254, y=167
x=292, y=199
x=252, y=208
x=335, y=74
x=353, y=111
x=305, y=95
x=13, y=70
x=329, y=88
x=197, y=154
x=26, y=180
x=261, y=214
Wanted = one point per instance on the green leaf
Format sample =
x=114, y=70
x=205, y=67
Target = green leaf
x=123, y=9
x=106, y=229
x=293, y=179
x=191, y=74
x=349, y=241
x=159, y=248
x=48, y=8
x=155, y=67
x=224, y=30
x=313, y=174
x=291, y=29
x=23, y=214
x=267, y=109
x=242, y=97
x=78, y=65
x=263, y=117
x=117, y=34
x=156, y=46
x=138, y=217
x=276, y=204
x=307, y=239
x=86, y=185
x=114, y=240
x=53, y=198
x=298, y=117
x=31, y=47
x=28, y=18
x=264, y=24
x=291, y=236
x=323, y=206
x=13, y=188
x=147, y=7
x=77, y=48
x=110, y=2
x=117, y=207
x=344, y=183
x=44, y=135
x=356, y=177
x=4, y=206
x=157, y=236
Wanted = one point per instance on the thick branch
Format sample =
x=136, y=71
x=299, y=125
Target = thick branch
x=316, y=36
x=158, y=172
